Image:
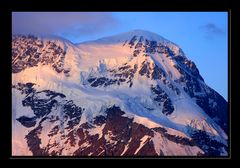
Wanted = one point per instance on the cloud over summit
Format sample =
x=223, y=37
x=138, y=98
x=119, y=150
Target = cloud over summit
x=62, y=23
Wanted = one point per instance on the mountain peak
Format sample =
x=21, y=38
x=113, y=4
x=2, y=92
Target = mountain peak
x=127, y=36
x=144, y=33
x=128, y=94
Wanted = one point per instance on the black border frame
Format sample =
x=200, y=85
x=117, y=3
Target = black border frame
x=173, y=5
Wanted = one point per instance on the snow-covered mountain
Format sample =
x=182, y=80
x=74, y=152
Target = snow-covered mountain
x=133, y=94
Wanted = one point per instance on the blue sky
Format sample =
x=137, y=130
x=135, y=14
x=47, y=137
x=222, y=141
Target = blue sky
x=202, y=35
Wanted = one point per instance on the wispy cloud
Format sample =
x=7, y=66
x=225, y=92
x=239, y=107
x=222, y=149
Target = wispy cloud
x=212, y=30
x=67, y=23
